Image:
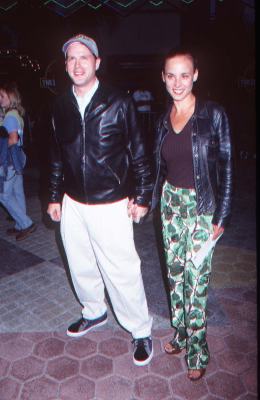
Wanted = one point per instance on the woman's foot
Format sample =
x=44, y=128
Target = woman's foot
x=172, y=348
x=196, y=374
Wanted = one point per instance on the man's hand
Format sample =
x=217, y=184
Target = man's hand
x=54, y=211
x=130, y=207
x=137, y=212
x=217, y=231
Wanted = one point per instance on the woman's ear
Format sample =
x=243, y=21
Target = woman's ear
x=163, y=77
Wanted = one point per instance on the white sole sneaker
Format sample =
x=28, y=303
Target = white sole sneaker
x=145, y=362
x=79, y=334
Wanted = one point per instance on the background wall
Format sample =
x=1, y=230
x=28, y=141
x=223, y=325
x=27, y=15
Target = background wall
x=132, y=44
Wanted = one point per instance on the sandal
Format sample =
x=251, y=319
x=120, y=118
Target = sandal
x=196, y=374
x=172, y=348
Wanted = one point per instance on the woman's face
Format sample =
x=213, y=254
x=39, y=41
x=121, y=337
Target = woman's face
x=4, y=99
x=178, y=76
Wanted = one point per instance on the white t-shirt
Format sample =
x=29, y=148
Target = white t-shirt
x=83, y=101
x=13, y=122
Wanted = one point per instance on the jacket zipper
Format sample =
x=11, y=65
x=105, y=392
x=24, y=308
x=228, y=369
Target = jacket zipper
x=83, y=160
x=84, y=148
x=84, y=155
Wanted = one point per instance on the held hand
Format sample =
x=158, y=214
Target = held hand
x=130, y=207
x=217, y=231
x=138, y=212
x=54, y=211
x=135, y=211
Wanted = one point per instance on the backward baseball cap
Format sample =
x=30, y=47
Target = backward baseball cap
x=81, y=38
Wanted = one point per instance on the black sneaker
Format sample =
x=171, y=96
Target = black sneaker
x=143, y=351
x=82, y=326
x=12, y=232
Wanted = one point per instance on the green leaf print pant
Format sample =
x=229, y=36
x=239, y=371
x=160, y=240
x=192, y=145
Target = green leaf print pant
x=184, y=233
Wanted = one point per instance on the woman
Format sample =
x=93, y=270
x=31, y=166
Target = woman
x=12, y=161
x=193, y=158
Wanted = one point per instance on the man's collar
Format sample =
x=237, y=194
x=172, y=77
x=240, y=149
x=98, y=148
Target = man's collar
x=88, y=93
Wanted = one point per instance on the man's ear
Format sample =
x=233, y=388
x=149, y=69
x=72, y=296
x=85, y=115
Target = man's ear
x=195, y=76
x=98, y=61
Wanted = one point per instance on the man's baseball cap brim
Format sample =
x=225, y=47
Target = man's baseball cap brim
x=83, y=39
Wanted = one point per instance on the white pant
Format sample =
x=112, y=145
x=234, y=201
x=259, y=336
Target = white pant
x=99, y=244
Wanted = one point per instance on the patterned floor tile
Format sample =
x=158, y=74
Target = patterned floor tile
x=39, y=362
x=14, y=259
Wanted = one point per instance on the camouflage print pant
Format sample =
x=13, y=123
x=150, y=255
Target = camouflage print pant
x=184, y=232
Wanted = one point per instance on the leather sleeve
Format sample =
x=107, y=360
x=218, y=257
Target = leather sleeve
x=224, y=165
x=56, y=168
x=159, y=164
x=139, y=163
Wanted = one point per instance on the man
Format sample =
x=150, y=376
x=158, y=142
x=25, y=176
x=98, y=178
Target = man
x=98, y=158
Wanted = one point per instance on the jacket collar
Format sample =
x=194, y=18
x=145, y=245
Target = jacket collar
x=166, y=116
x=98, y=101
x=200, y=111
x=100, y=98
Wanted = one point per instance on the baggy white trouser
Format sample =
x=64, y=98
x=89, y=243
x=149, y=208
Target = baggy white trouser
x=99, y=244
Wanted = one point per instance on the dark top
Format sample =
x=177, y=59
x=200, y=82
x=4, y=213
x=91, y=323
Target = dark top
x=177, y=152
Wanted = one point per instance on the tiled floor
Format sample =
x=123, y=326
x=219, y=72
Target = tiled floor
x=39, y=362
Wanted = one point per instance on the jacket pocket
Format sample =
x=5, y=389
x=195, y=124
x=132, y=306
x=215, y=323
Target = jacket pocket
x=112, y=172
x=212, y=149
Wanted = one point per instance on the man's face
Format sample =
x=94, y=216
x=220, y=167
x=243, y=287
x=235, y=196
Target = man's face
x=81, y=65
x=178, y=76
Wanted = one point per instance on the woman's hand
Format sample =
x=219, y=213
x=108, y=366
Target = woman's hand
x=217, y=231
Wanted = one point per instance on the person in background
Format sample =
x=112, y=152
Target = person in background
x=12, y=162
x=194, y=181
x=2, y=114
x=143, y=99
x=98, y=159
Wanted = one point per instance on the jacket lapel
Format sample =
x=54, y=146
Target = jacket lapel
x=97, y=104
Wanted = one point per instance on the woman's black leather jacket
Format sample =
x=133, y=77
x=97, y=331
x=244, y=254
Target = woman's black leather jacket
x=101, y=158
x=212, y=161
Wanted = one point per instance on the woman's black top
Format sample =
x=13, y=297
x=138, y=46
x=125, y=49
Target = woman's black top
x=177, y=152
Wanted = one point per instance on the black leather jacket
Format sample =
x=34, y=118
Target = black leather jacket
x=100, y=159
x=212, y=162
